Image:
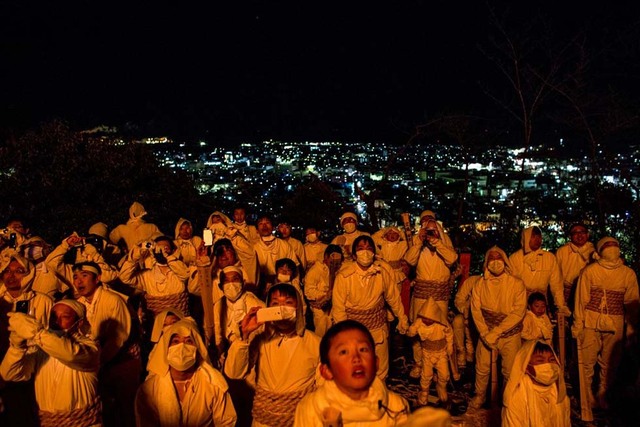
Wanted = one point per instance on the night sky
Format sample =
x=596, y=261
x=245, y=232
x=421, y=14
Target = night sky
x=252, y=70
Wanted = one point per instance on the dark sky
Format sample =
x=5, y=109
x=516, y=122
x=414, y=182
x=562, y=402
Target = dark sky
x=249, y=70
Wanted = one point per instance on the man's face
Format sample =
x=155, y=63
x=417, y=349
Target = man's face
x=85, y=283
x=579, y=236
x=392, y=236
x=177, y=339
x=535, y=241
x=285, y=230
x=352, y=363
x=64, y=316
x=265, y=228
x=239, y=215
x=494, y=255
x=364, y=245
x=232, y=276
x=17, y=226
x=186, y=231
x=226, y=257
x=12, y=276
x=164, y=246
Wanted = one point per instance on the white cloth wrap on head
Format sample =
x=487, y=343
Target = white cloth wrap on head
x=348, y=215
x=10, y=254
x=74, y=305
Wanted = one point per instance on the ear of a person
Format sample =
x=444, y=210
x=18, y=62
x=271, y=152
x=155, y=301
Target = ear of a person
x=326, y=373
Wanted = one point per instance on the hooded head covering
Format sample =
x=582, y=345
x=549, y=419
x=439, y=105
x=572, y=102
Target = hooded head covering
x=230, y=269
x=225, y=219
x=526, y=238
x=427, y=213
x=35, y=249
x=185, y=328
x=179, y=224
x=604, y=240
x=99, y=229
x=74, y=305
x=136, y=211
x=158, y=322
x=503, y=255
x=10, y=254
x=300, y=318
x=348, y=215
x=519, y=370
x=430, y=310
x=386, y=231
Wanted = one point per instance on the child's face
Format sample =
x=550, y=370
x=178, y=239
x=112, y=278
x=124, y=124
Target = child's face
x=538, y=308
x=540, y=358
x=352, y=363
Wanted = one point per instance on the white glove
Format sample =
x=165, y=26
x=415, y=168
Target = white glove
x=16, y=341
x=24, y=326
x=403, y=325
x=491, y=339
x=577, y=330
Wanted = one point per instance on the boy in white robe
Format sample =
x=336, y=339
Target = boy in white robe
x=535, y=394
x=352, y=395
x=362, y=291
x=436, y=339
x=536, y=324
x=285, y=356
x=184, y=388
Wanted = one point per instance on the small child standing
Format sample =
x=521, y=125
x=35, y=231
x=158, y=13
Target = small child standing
x=536, y=324
x=352, y=394
x=436, y=340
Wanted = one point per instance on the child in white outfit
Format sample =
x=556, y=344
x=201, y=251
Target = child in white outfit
x=536, y=324
x=436, y=339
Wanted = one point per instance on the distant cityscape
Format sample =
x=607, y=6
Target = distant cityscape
x=406, y=178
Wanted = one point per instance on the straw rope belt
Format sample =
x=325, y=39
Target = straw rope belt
x=439, y=290
x=157, y=303
x=373, y=318
x=324, y=306
x=277, y=409
x=82, y=417
x=395, y=264
x=614, y=300
x=493, y=319
x=434, y=345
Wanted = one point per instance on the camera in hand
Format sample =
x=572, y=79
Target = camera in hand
x=432, y=233
x=94, y=241
x=22, y=307
x=149, y=245
x=12, y=240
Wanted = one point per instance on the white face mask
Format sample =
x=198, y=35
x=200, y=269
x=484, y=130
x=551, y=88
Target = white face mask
x=232, y=290
x=546, y=373
x=181, y=356
x=288, y=313
x=284, y=278
x=611, y=253
x=496, y=267
x=312, y=238
x=365, y=257
x=349, y=227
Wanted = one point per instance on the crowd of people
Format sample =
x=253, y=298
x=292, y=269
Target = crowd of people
x=245, y=324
